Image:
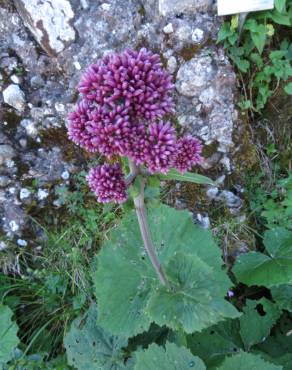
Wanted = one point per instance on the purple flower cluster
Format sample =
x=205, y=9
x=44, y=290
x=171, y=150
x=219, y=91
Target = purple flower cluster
x=108, y=184
x=187, y=154
x=124, y=98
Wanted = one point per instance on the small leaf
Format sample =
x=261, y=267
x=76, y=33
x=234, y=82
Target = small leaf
x=259, y=37
x=279, y=18
x=288, y=88
x=135, y=188
x=224, y=32
x=247, y=361
x=188, y=177
x=280, y=5
x=8, y=334
x=254, y=328
x=282, y=295
x=170, y=358
x=280, y=343
x=255, y=268
x=88, y=346
x=153, y=181
x=270, y=30
x=234, y=22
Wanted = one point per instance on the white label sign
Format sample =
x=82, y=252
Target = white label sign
x=226, y=7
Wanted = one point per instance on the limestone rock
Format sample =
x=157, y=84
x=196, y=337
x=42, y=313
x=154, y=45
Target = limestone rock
x=14, y=96
x=173, y=7
x=209, y=82
x=49, y=22
x=6, y=153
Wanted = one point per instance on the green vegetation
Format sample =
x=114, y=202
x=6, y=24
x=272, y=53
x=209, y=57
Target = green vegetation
x=86, y=296
x=261, y=53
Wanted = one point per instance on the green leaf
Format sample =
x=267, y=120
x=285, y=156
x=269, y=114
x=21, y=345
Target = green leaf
x=255, y=327
x=282, y=295
x=214, y=343
x=125, y=280
x=259, y=37
x=284, y=360
x=224, y=32
x=280, y=342
x=280, y=5
x=170, y=358
x=194, y=301
x=135, y=188
x=288, y=88
x=242, y=64
x=247, y=361
x=8, y=334
x=256, y=268
x=279, y=18
x=257, y=59
x=188, y=176
x=88, y=346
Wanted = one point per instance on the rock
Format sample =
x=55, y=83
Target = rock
x=36, y=82
x=14, y=96
x=49, y=22
x=171, y=64
x=22, y=242
x=174, y=7
x=183, y=32
x=3, y=245
x=4, y=181
x=212, y=193
x=13, y=226
x=15, y=217
x=168, y=28
x=24, y=193
x=198, y=36
x=15, y=79
x=195, y=74
x=6, y=153
x=203, y=221
x=209, y=82
x=102, y=28
x=42, y=194
x=65, y=175
x=30, y=127
x=231, y=200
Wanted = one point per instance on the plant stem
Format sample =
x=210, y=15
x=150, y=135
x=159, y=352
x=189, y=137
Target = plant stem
x=144, y=228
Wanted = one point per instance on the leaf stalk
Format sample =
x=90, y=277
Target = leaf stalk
x=144, y=227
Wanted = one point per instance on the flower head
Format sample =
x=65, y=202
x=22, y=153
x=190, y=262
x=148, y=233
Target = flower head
x=161, y=147
x=134, y=79
x=125, y=96
x=110, y=129
x=108, y=183
x=187, y=154
x=78, y=126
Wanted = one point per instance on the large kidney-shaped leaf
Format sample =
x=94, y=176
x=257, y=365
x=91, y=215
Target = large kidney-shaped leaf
x=88, y=346
x=247, y=361
x=170, y=358
x=125, y=280
x=8, y=334
x=270, y=269
x=195, y=300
